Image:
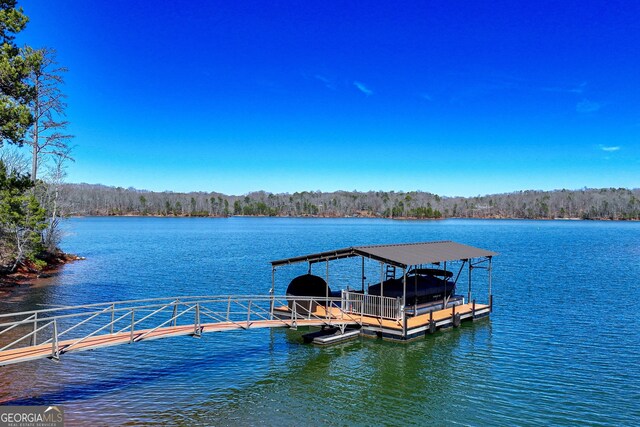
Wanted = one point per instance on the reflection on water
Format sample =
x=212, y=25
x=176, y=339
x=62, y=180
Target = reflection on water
x=557, y=349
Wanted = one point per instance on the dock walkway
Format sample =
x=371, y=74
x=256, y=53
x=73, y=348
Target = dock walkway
x=49, y=333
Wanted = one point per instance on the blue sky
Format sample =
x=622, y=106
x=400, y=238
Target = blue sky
x=456, y=98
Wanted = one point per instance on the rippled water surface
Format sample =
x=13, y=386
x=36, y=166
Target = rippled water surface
x=562, y=346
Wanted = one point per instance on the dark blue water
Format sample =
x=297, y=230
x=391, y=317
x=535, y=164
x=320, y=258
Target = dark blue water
x=562, y=346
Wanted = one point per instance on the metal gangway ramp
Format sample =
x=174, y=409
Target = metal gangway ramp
x=52, y=332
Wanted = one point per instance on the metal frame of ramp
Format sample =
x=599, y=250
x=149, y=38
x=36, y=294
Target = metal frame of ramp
x=51, y=332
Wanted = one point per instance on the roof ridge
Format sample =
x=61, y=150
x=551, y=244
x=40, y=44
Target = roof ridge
x=404, y=244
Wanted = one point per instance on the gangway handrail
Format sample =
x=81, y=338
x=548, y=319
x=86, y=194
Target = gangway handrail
x=25, y=336
x=29, y=320
x=140, y=337
x=93, y=316
x=255, y=310
x=185, y=299
x=111, y=307
x=133, y=324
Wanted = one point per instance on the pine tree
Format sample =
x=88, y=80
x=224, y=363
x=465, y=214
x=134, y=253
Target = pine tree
x=15, y=91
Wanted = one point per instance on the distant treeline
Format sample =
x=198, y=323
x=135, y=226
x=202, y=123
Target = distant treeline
x=605, y=203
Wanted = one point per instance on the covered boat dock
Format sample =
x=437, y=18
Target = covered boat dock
x=418, y=292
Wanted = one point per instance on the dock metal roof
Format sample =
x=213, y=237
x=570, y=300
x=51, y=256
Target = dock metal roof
x=401, y=255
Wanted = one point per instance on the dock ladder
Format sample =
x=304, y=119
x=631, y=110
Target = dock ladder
x=390, y=273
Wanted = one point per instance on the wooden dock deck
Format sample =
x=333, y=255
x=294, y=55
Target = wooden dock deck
x=415, y=326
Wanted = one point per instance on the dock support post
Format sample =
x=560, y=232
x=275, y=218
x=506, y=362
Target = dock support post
x=404, y=302
x=404, y=322
x=363, y=278
x=381, y=286
x=490, y=296
x=228, y=309
x=453, y=316
x=404, y=286
x=381, y=279
x=415, y=295
x=272, y=292
x=469, y=293
x=444, y=297
x=326, y=302
x=432, y=324
x=473, y=310
x=457, y=318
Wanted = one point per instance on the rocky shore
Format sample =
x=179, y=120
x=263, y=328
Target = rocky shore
x=28, y=271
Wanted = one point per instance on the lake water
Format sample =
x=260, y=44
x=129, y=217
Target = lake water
x=561, y=347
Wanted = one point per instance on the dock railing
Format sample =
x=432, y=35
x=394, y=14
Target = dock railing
x=357, y=303
x=67, y=328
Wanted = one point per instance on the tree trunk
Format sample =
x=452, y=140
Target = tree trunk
x=35, y=142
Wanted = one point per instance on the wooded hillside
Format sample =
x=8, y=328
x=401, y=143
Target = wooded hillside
x=32, y=120
x=606, y=203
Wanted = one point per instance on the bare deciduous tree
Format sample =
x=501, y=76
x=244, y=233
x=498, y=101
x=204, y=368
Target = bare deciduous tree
x=56, y=174
x=47, y=135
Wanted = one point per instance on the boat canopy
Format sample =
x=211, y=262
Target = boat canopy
x=401, y=255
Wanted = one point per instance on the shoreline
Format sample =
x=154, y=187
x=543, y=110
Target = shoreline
x=399, y=218
x=26, y=274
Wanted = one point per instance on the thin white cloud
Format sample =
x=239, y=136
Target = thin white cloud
x=609, y=148
x=362, y=88
x=586, y=106
x=328, y=83
x=578, y=90
x=426, y=96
